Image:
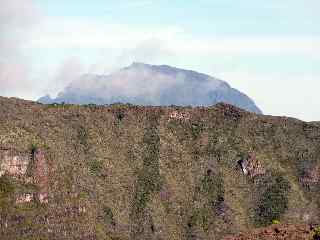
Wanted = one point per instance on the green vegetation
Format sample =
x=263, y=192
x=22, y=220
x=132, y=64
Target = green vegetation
x=316, y=233
x=130, y=172
x=212, y=186
x=273, y=201
x=6, y=186
x=148, y=177
x=108, y=216
x=95, y=167
x=149, y=180
x=82, y=135
x=31, y=165
x=34, y=147
x=197, y=128
x=208, y=211
x=274, y=221
x=7, y=189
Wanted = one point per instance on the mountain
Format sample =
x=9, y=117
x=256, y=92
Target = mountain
x=132, y=172
x=144, y=84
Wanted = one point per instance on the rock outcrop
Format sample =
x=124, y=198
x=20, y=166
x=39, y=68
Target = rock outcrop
x=13, y=162
x=27, y=168
x=251, y=166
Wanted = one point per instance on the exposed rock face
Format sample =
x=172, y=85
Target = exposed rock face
x=41, y=175
x=312, y=176
x=27, y=168
x=130, y=172
x=13, y=163
x=251, y=166
x=24, y=198
x=179, y=116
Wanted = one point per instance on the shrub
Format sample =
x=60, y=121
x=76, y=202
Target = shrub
x=34, y=148
x=108, y=216
x=82, y=135
x=6, y=187
x=316, y=233
x=273, y=201
x=95, y=167
x=212, y=186
x=196, y=129
x=274, y=221
x=149, y=177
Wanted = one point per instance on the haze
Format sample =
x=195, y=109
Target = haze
x=268, y=49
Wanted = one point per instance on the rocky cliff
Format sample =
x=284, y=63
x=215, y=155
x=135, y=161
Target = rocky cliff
x=129, y=172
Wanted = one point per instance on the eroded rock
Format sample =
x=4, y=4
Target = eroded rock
x=311, y=177
x=24, y=198
x=251, y=166
x=175, y=115
x=14, y=163
x=17, y=164
x=41, y=172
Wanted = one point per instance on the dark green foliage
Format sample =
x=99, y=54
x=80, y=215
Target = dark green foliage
x=82, y=135
x=149, y=180
x=210, y=195
x=316, y=233
x=212, y=186
x=119, y=112
x=6, y=186
x=196, y=129
x=95, y=167
x=34, y=148
x=108, y=216
x=273, y=202
x=31, y=165
x=91, y=105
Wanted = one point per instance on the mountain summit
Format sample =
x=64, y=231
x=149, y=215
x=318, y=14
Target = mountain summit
x=145, y=84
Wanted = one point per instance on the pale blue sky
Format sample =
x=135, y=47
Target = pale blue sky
x=269, y=49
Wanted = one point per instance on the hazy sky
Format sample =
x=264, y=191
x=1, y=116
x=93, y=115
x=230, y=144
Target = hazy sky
x=269, y=49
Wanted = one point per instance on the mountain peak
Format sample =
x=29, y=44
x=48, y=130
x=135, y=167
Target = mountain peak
x=146, y=84
x=139, y=64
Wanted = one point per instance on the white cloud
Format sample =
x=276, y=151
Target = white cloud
x=275, y=93
x=66, y=33
x=16, y=20
x=252, y=45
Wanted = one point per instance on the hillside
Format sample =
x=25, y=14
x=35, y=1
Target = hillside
x=130, y=172
x=156, y=85
x=280, y=232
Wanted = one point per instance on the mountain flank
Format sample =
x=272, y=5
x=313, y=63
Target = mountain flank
x=133, y=172
x=157, y=85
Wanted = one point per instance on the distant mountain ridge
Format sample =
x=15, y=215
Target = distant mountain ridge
x=144, y=84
